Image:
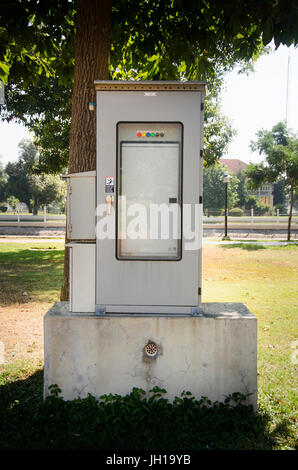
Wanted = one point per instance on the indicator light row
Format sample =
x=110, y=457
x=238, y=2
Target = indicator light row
x=150, y=134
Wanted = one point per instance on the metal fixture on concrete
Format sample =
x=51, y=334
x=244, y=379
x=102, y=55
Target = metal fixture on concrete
x=151, y=349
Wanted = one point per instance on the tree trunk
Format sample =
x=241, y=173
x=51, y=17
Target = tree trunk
x=35, y=207
x=291, y=209
x=92, y=51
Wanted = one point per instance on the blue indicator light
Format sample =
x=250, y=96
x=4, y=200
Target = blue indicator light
x=148, y=134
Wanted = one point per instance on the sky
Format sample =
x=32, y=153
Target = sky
x=251, y=102
x=259, y=100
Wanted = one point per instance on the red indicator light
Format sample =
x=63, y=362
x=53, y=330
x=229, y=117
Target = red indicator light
x=139, y=134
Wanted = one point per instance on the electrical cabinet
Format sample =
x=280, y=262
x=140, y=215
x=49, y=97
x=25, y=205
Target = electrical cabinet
x=142, y=206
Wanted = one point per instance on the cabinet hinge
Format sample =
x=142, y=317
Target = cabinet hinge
x=201, y=200
x=199, y=291
x=202, y=105
x=201, y=153
x=69, y=228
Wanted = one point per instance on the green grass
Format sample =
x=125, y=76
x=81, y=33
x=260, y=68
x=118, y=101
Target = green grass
x=264, y=278
x=35, y=269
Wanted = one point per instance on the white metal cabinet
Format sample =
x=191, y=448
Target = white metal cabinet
x=149, y=285
x=80, y=212
x=82, y=277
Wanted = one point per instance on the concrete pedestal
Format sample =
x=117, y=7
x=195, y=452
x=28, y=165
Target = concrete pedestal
x=212, y=354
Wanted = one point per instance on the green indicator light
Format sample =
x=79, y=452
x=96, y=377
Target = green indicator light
x=152, y=134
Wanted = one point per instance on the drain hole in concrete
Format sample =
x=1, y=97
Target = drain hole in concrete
x=151, y=349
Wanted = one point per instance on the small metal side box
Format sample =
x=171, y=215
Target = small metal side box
x=82, y=277
x=80, y=210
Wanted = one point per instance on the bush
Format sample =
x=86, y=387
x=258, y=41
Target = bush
x=134, y=421
x=261, y=209
x=3, y=207
x=236, y=212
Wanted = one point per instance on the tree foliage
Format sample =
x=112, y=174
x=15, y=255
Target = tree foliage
x=242, y=189
x=214, y=189
x=280, y=148
x=36, y=39
x=154, y=39
x=45, y=109
x=218, y=132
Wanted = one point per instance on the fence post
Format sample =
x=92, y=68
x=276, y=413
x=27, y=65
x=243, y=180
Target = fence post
x=277, y=216
x=44, y=214
x=252, y=215
x=18, y=215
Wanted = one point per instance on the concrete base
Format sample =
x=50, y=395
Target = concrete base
x=212, y=354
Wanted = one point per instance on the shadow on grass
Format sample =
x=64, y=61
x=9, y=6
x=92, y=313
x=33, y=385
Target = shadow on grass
x=244, y=246
x=132, y=422
x=259, y=246
x=22, y=389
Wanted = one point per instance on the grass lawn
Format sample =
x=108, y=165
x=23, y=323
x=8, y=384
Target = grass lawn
x=264, y=278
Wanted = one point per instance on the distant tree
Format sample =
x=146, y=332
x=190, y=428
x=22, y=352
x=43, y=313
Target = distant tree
x=242, y=189
x=280, y=195
x=280, y=148
x=46, y=189
x=13, y=202
x=34, y=190
x=3, y=183
x=214, y=189
x=296, y=200
x=18, y=173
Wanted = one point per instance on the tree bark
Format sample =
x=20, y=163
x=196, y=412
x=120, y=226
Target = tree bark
x=291, y=209
x=35, y=207
x=92, y=51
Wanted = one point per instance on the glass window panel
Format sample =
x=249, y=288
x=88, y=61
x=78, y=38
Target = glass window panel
x=149, y=191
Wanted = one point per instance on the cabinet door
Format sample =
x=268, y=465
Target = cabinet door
x=81, y=208
x=82, y=277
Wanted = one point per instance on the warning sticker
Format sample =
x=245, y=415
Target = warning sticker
x=109, y=184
